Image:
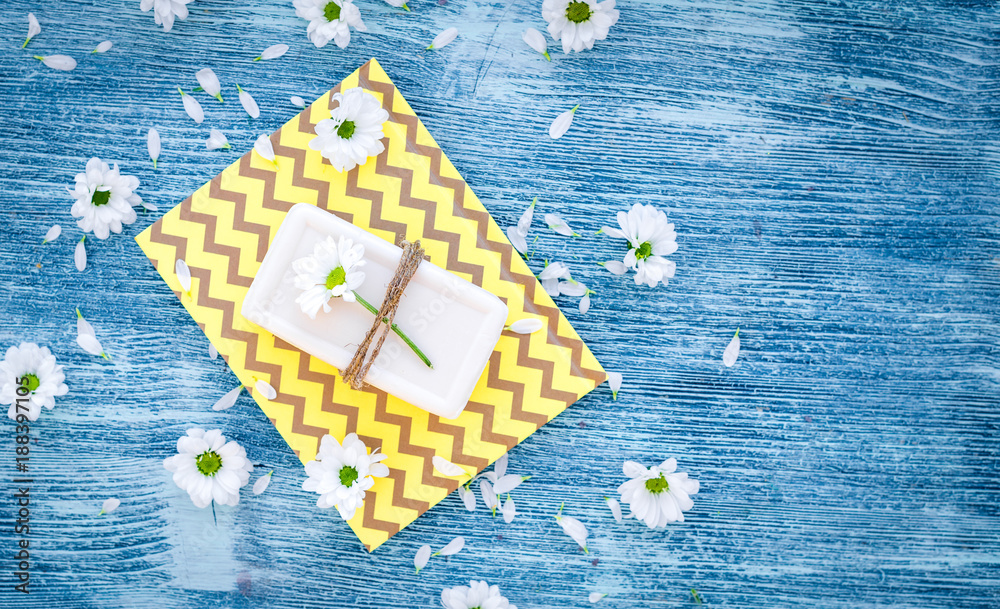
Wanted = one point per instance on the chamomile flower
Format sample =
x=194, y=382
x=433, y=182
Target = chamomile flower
x=330, y=20
x=650, y=237
x=104, y=199
x=659, y=494
x=165, y=11
x=353, y=133
x=341, y=473
x=477, y=595
x=29, y=379
x=331, y=272
x=578, y=23
x=209, y=468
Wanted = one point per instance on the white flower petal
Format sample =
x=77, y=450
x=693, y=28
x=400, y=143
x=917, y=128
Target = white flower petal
x=596, y=596
x=265, y=389
x=574, y=528
x=517, y=239
x=616, y=267
x=80, y=256
x=212, y=351
x=33, y=29
x=298, y=101
x=264, y=148
x=468, y=498
x=89, y=343
x=509, y=510
x=489, y=497
x=52, y=234
x=216, y=139
x=584, y=304
x=732, y=351
x=153, y=144
x=507, y=483
x=500, y=466
x=524, y=222
x=64, y=63
x=109, y=505
x=209, y=82
x=446, y=467
x=193, y=108
x=273, y=52
x=615, y=507
x=534, y=39
x=104, y=47
x=249, y=103
x=262, y=483
x=556, y=223
x=228, y=400
x=454, y=547
x=83, y=326
x=526, y=326
x=423, y=555
x=444, y=38
x=615, y=383
x=183, y=274
x=561, y=125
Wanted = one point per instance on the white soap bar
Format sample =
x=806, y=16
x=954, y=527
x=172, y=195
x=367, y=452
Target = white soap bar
x=454, y=322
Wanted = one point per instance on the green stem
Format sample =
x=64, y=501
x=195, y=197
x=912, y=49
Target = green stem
x=395, y=328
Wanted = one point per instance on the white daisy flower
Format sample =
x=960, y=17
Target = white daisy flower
x=578, y=23
x=217, y=139
x=330, y=20
x=33, y=29
x=165, y=11
x=354, y=130
x=331, y=272
x=209, y=468
x=29, y=379
x=104, y=199
x=657, y=495
x=477, y=595
x=650, y=238
x=342, y=473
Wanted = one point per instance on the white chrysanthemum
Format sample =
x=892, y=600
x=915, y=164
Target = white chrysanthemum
x=342, y=473
x=31, y=378
x=165, y=11
x=330, y=20
x=209, y=468
x=354, y=130
x=478, y=594
x=104, y=199
x=650, y=237
x=331, y=272
x=578, y=23
x=657, y=495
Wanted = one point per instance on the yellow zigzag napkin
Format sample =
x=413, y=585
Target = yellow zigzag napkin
x=409, y=191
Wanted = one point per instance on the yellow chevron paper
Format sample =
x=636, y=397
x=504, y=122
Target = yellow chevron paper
x=409, y=191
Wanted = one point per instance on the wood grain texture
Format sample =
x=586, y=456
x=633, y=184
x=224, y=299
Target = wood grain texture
x=832, y=171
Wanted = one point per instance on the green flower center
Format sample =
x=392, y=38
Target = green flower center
x=346, y=130
x=336, y=277
x=30, y=381
x=331, y=11
x=645, y=251
x=348, y=475
x=101, y=197
x=657, y=485
x=208, y=463
x=578, y=12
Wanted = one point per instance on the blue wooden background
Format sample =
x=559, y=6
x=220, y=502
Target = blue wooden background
x=831, y=167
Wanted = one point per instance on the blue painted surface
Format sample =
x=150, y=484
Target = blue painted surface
x=832, y=171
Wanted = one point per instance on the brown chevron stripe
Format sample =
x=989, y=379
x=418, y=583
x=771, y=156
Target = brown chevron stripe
x=435, y=424
x=212, y=246
x=329, y=384
x=240, y=223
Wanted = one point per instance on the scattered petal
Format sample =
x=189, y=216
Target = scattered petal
x=596, y=596
x=209, y=82
x=298, y=101
x=64, y=63
x=509, y=510
x=559, y=225
x=192, y=107
x=52, y=234
x=443, y=39
x=616, y=267
x=517, y=239
x=80, y=255
x=183, y=272
x=217, y=139
x=526, y=326
x=446, y=467
x=149, y=206
x=82, y=325
x=561, y=125
x=615, y=507
x=264, y=148
x=454, y=547
x=500, y=466
x=489, y=497
x=524, y=222
x=109, y=506
x=265, y=389
x=468, y=498
x=423, y=555
x=273, y=52
x=584, y=304
x=615, y=383
x=212, y=351
x=262, y=483
x=574, y=528
x=104, y=47
x=248, y=102
x=732, y=350
x=90, y=344
x=534, y=39
x=507, y=483
x=33, y=29
x=228, y=400
x=571, y=287
x=153, y=145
